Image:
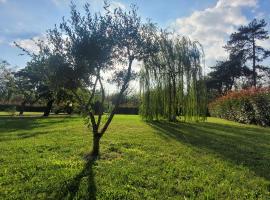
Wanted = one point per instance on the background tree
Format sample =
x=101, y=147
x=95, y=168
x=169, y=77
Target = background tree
x=7, y=82
x=245, y=41
x=93, y=46
x=225, y=76
x=42, y=75
x=25, y=88
x=171, y=80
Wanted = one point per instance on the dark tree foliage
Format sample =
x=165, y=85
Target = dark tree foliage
x=95, y=45
x=245, y=42
x=40, y=79
x=26, y=89
x=225, y=74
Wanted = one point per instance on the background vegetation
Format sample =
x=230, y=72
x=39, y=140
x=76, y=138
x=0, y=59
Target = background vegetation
x=251, y=106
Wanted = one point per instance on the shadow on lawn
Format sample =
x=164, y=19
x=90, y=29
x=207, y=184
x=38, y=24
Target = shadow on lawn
x=9, y=124
x=27, y=127
x=70, y=191
x=245, y=146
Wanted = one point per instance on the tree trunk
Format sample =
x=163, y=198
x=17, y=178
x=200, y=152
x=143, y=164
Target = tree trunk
x=254, y=63
x=22, y=108
x=48, y=108
x=95, y=149
x=170, y=100
x=174, y=113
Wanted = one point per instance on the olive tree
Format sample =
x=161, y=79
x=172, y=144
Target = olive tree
x=96, y=45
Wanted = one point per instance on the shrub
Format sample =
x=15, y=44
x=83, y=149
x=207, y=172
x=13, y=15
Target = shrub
x=251, y=106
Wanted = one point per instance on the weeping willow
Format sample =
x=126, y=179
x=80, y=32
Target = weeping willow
x=171, y=83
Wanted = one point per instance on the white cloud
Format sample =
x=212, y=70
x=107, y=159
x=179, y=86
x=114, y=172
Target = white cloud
x=236, y=3
x=30, y=44
x=117, y=4
x=212, y=26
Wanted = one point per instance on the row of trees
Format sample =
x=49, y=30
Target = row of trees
x=243, y=68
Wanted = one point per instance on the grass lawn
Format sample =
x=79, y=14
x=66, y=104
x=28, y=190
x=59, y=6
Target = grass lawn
x=41, y=158
x=25, y=114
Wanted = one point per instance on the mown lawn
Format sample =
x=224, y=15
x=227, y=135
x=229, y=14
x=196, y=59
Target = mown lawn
x=42, y=158
x=6, y=114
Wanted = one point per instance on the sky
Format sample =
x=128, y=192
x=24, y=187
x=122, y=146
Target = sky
x=208, y=21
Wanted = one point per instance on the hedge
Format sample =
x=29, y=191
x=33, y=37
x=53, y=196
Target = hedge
x=5, y=107
x=128, y=110
x=251, y=106
x=8, y=107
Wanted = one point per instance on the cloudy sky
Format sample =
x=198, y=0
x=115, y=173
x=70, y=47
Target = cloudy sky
x=208, y=21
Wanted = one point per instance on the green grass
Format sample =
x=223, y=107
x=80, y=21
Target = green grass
x=41, y=158
x=2, y=113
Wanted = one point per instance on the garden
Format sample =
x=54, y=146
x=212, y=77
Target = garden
x=81, y=120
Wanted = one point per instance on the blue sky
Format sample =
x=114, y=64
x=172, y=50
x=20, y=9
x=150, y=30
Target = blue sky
x=209, y=21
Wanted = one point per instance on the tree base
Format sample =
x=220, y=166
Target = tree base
x=91, y=157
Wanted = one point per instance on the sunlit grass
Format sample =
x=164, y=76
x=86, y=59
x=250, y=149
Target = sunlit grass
x=2, y=113
x=42, y=158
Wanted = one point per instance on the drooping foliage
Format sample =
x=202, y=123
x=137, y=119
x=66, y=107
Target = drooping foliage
x=172, y=81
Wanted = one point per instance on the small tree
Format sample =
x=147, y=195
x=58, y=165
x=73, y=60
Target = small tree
x=7, y=82
x=92, y=46
x=245, y=40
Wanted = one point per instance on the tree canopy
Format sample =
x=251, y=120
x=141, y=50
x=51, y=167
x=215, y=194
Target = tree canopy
x=245, y=42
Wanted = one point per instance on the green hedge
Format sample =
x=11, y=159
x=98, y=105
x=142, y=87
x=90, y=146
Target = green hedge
x=127, y=110
x=250, y=106
x=8, y=107
x=58, y=109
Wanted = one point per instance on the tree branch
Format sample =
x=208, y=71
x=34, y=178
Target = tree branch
x=124, y=87
x=93, y=91
x=102, y=102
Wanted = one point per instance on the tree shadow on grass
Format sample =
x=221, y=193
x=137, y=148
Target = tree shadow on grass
x=23, y=135
x=10, y=124
x=241, y=145
x=23, y=128
x=71, y=189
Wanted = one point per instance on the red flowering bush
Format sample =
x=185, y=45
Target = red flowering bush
x=251, y=106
